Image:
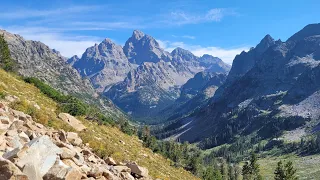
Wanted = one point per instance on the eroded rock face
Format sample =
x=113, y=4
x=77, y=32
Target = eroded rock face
x=35, y=59
x=141, y=48
x=30, y=151
x=104, y=64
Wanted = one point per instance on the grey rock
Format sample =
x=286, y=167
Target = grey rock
x=104, y=64
x=41, y=152
x=141, y=48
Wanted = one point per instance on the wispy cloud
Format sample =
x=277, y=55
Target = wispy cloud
x=62, y=28
x=184, y=36
x=67, y=45
x=33, y=13
x=213, y=15
x=226, y=54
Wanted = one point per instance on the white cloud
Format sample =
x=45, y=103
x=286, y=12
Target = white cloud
x=68, y=46
x=226, y=54
x=35, y=13
x=184, y=36
x=213, y=15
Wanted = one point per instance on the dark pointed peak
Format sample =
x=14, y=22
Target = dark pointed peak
x=307, y=31
x=264, y=44
x=267, y=39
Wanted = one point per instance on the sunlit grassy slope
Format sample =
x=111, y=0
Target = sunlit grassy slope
x=308, y=167
x=105, y=140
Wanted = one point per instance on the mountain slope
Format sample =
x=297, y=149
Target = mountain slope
x=155, y=83
x=35, y=59
x=194, y=94
x=38, y=60
x=264, y=96
x=104, y=140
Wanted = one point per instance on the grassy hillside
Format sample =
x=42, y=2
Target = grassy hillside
x=105, y=140
x=307, y=166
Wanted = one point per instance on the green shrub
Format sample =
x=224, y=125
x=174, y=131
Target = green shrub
x=2, y=95
x=67, y=103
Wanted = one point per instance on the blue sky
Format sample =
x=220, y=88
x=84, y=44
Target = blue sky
x=220, y=28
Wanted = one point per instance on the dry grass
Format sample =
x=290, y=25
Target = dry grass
x=105, y=140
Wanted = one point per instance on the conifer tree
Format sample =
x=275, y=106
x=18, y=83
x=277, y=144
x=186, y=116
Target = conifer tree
x=5, y=58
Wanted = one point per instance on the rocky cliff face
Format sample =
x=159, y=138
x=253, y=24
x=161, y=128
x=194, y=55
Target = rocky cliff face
x=35, y=59
x=268, y=88
x=246, y=60
x=141, y=48
x=104, y=64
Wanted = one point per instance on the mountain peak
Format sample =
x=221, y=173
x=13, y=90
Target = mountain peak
x=107, y=41
x=137, y=34
x=73, y=59
x=265, y=43
x=307, y=31
x=141, y=48
x=179, y=50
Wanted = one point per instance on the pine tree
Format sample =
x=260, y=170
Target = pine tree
x=279, y=172
x=232, y=172
x=5, y=58
x=286, y=172
x=224, y=169
x=237, y=172
x=290, y=171
x=246, y=172
x=251, y=171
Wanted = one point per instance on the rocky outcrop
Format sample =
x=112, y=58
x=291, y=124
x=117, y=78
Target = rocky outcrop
x=141, y=48
x=72, y=121
x=30, y=151
x=104, y=64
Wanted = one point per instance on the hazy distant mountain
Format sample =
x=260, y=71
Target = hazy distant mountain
x=214, y=64
x=273, y=87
